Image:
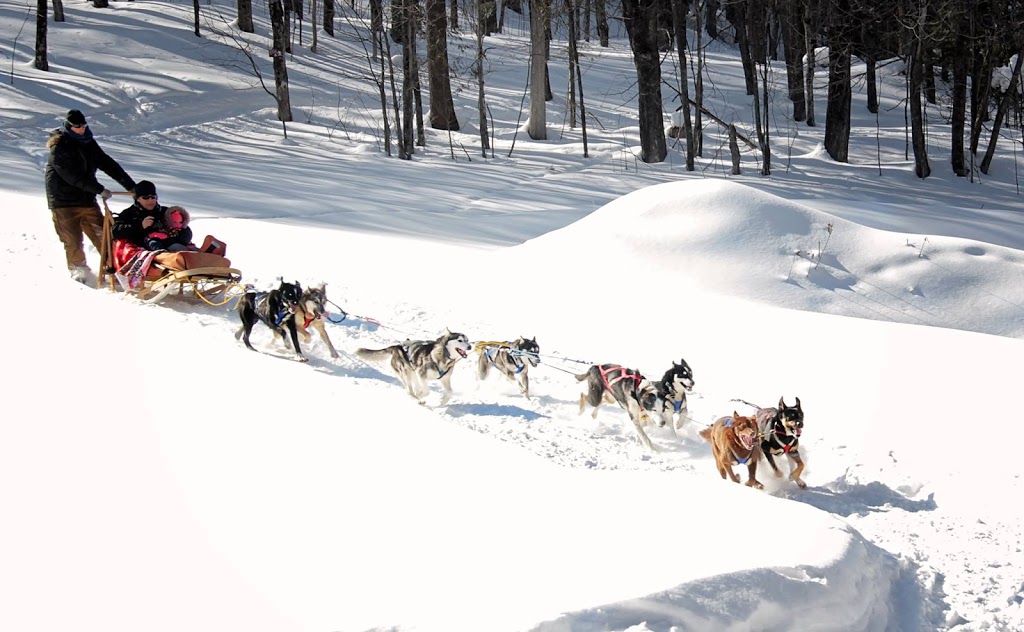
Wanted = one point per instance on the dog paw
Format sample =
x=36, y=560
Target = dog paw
x=755, y=484
x=302, y=358
x=801, y=484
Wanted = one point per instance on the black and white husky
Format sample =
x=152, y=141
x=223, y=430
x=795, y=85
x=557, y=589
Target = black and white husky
x=638, y=396
x=672, y=388
x=419, y=362
x=511, y=359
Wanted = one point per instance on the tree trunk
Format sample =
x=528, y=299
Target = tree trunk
x=100, y=4
x=376, y=25
x=58, y=10
x=698, y=83
x=195, y=17
x=574, y=52
x=837, y=114
x=280, y=35
x=959, y=97
x=245, y=16
x=537, y=127
x=41, y=62
x=408, y=74
x=870, y=64
x=442, y=108
x=488, y=16
x=481, y=102
x=809, y=74
x=572, y=58
x=734, y=150
x=312, y=27
x=916, y=79
x=679, y=9
x=736, y=13
x=792, y=45
x=601, y=22
x=453, y=17
x=711, y=18
x=1004, y=105
x=638, y=16
x=328, y=17
x=981, y=84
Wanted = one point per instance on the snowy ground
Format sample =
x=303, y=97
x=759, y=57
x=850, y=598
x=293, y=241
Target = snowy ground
x=159, y=476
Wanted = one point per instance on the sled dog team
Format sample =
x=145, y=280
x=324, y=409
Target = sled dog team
x=737, y=440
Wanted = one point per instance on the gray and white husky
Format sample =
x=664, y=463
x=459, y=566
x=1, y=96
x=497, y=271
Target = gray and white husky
x=419, y=362
x=638, y=396
x=511, y=359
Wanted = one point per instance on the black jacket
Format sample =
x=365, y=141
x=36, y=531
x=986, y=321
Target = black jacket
x=71, y=170
x=128, y=224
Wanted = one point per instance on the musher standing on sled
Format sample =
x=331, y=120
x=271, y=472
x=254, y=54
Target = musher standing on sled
x=71, y=188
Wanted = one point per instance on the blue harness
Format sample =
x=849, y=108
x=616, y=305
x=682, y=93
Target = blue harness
x=279, y=316
x=515, y=358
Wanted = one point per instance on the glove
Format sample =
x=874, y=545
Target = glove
x=105, y=194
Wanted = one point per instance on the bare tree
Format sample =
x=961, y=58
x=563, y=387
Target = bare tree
x=195, y=17
x=280, y=39
x=58, y=10
x=442, y=108
x=481, y=101
x=1004, y=105
x=915, y=81
x=41, y=62
x=537, y=126
x=640, y=18
x=245, y=16
x=792, y=46
x=328, y=17
x=601, y=22
x=679, y=10
x=698, y=80
x=837, y=115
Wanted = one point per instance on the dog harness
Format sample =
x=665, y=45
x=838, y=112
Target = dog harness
x=260, y=304
x=786, y=441
x=623, y=375
x=513, y=356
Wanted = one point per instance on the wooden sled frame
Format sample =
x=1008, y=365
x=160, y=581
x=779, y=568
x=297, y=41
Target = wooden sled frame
x=215, y=286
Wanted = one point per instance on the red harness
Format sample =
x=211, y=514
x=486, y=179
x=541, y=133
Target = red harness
x=635, y=376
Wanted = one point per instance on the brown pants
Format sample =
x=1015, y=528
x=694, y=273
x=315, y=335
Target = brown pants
x=73, y=221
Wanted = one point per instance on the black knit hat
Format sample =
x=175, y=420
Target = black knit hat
x=144, y=187
x=75, y=118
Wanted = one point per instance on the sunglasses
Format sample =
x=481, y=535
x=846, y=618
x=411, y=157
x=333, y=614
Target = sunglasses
x=83, y=126
x=147, y=197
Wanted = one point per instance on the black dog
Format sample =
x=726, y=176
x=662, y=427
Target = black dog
x=780, y=429
x=672, y=389
x=275, y=309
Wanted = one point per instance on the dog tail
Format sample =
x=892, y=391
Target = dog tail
x=374, y=354
x=583, y=376
x=706, y=433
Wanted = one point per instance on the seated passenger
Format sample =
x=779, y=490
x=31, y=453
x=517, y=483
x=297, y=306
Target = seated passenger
x=134, y=222
x=171, y=232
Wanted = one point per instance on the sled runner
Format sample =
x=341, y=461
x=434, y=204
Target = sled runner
x=153, y=275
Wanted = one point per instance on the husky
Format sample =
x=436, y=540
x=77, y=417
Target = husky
x=275, y=309
x=310, y=313
x=734, y=441
x=672, y=388
x=780, y=429
x=511, y=359
x=608, y=383
x=418, y=362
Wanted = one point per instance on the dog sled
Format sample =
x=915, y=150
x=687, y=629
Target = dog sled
x=208, y=276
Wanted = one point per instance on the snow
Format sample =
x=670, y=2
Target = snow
x=156, y=475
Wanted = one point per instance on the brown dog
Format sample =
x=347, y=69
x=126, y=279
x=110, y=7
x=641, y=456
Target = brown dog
x=734, y=440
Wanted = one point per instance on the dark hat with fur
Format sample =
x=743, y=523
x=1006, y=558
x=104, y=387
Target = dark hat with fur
x=75, y=118
x=144, y=187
